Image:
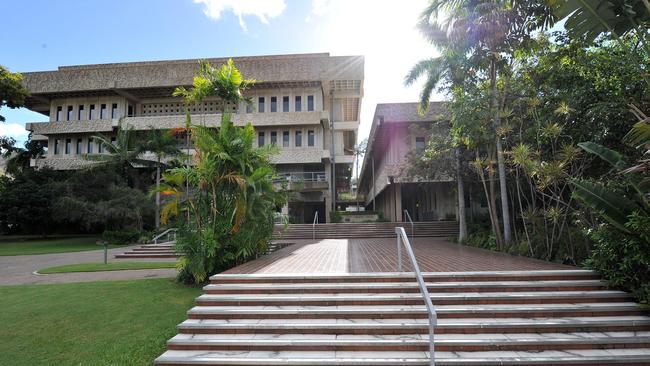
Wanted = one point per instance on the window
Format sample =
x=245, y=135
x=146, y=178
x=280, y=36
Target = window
x=102, y=111
x=260, y=138
x=68, y=146
x=285, y=138
x=69, y=113
x=78, y=146
x=274, y=104
x=310, y=103
x=419, y=142
x=285, y=104
x=113, y=141
x=80, y=113
x=298, y=105
x=90, y=146
x=114, y=110
x=56, y=147
x=274, y=137
x=298, y=138
x=260, y=105
x=59, y=112
x=249, y=108
x=92, y=112
x=311, y=138
x=129, y=112
x=100, y=147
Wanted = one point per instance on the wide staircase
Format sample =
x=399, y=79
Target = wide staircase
x=558, y=317
x=365, y=230
x=153, y=251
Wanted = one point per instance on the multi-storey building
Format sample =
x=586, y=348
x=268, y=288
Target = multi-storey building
x=398, y=130
x=308, y=105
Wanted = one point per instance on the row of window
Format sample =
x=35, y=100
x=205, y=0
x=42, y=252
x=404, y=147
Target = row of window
x=297, y=105
x=81, y=112
x=89, y=148
x=297, y=141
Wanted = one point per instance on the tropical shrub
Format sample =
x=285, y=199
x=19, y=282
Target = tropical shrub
x=228, y=212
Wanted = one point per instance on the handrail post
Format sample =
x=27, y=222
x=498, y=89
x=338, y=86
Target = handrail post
x=408, y=216
x=313, y=226
x=399, y=253
x=402, y=239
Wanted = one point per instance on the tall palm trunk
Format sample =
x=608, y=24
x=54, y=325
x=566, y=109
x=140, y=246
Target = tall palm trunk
x=158, y=194
x=462, y=222
x=500, y=161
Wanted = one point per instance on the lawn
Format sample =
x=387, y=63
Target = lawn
x=91, y=323
x=111, y=266
x=52, y=245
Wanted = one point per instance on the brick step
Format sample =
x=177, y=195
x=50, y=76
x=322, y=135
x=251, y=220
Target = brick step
x=443, y=342
x=537, y=297
x=543, y=275
x=638, y=356
x=156, y=248
x=152, y=252
x=416, y=311
x=402, y=287
x=415, y=326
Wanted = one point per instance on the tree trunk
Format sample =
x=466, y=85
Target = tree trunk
x=500, y=161
x=158, y=195
x=462, y=221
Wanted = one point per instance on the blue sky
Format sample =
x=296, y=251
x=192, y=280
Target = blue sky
x=47, y=34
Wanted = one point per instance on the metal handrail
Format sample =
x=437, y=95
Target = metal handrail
x=406, y=214
x=170, y=230
x=433, y=317
x=313, y=226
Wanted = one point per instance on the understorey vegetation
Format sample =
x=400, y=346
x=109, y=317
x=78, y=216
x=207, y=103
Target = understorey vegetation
x=546, y=133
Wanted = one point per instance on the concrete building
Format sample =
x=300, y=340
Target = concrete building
x=306, y=104
x=397, y=129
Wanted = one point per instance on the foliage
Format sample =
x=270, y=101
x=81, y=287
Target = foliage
x=623, y=258
x=18, y=159
x=121, y=237
x=336, y=216
x=12, y=92
x=229, y=210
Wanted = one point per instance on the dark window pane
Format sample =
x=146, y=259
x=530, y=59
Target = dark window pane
x=114, y=110
x=56, y=147
x=274, y=104
x=260, y=138
x=249, y=108
x=68, y=143
x=298, y=138
x=102, y=112
x=69, y=113
x=80, y=113
x=260, y=105
x=59, y=112
x=298, y=106
x=310, y=103
x=285, y=104
x=310, y=138
x=78, y=146
x=419, y=143
x=90, y=146
x=92, y=112
x=285, y=138
x=274, y=137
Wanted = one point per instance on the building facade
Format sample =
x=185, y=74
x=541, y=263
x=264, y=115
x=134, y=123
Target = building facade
x=307, y=105
x=398, y=130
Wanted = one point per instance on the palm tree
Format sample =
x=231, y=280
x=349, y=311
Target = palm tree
x=450, y=67
x=123, y=152
x=161, y=144
x=17, y=158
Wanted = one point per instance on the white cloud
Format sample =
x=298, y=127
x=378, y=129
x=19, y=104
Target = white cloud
x=15, y=130
x=263, y=9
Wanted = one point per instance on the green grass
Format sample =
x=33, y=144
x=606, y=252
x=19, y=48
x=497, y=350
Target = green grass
x=53, y=245
x=111, y=266
x=91, y=323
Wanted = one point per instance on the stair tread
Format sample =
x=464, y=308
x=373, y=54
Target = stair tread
x=415, y=322
x=401, y=358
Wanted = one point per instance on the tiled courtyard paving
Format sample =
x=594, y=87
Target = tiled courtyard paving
x=379, y=255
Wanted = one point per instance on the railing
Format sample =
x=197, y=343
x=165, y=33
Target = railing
x=313, y=226
x=302, y=177
x=402, y=239
x=406, y=215
x=171, y=232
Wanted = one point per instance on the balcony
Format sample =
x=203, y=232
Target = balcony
x=302, y=181
x=51, y=128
